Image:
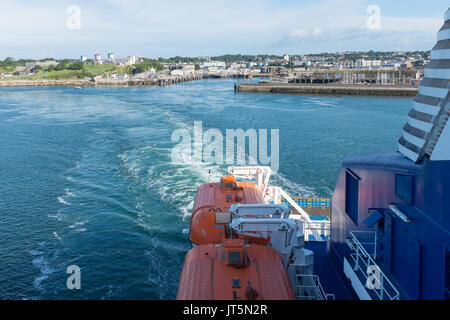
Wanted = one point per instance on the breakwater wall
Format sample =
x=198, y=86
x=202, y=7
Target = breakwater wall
x=162, y=81
x=325, y=89
x=43, y=82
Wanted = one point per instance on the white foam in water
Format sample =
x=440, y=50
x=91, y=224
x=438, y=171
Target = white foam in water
x=292, y=188
x=70, y=179
x=43, y=265
x=187, y=209
x=77, y=224
x=56, y=235
x=174, y=183
x=69, y=194
x=62, y=201
x=35, y=252
x=57, y=216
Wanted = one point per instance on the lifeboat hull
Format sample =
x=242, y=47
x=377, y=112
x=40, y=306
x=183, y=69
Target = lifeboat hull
x=205, y=276
x=211, y=204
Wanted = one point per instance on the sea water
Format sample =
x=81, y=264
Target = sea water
x=86, y=177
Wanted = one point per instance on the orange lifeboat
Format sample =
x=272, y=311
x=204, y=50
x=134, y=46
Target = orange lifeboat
x=225, y=266
x=210, y=215
x=234, y=270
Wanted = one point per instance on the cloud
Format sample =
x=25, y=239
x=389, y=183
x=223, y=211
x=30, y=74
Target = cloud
x=317, y=32
x=345, y=28
x=300, y=34
x=200, y=27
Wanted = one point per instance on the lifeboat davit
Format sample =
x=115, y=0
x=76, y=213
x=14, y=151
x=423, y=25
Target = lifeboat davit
x=210, y=215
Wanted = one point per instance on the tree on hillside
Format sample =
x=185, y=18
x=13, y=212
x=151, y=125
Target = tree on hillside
x=59, y=67
x=62, y=65
x=140, y=67
x=77, y=65
x=144, y=66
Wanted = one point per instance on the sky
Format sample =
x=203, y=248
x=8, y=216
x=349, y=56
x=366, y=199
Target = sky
x=167, y=28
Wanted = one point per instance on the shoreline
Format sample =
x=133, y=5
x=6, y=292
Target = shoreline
x=162, y=81
x=99, y=82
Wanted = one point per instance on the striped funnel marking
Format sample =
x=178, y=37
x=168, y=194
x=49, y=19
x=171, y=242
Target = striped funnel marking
x=426, y=133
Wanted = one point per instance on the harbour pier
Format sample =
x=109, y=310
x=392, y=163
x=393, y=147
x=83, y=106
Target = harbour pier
x=99, y=81
x=329, y=89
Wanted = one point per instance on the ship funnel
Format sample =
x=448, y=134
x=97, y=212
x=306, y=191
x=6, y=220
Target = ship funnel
x=427, y=132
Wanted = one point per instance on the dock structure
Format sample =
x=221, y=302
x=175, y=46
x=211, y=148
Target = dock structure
x=45, y=83
x=158, y=81
x=178, y=79
x=328, y=89
x=356, y=76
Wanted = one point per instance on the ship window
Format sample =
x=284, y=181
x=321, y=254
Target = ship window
x=223, y=255
x=234, y=257
x=228, y=185
x=404, y=187
x=351, y=195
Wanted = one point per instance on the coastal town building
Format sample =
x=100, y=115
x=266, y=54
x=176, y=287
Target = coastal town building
x=43, y=64
x=239, y=65
x=111, y=59
x=363, y=63
x=218, y=64
x=98, y=59
x=181, y=72
x=188, y=67
x=131, y=60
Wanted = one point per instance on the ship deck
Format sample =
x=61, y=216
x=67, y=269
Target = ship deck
x=331, y=280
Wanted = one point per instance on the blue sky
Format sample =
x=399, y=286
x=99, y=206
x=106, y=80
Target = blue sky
x=38, y=29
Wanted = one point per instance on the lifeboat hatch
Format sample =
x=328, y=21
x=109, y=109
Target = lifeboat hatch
x=234, y=253
x=228, y=183
x=223, y=217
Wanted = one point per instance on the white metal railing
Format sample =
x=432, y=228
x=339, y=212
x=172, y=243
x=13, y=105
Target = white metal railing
x=364, y=245
x=322, y=228
x=308, y=287
x=310, y=227
x=260, y=174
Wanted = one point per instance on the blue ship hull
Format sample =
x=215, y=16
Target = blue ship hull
x=404, y=205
